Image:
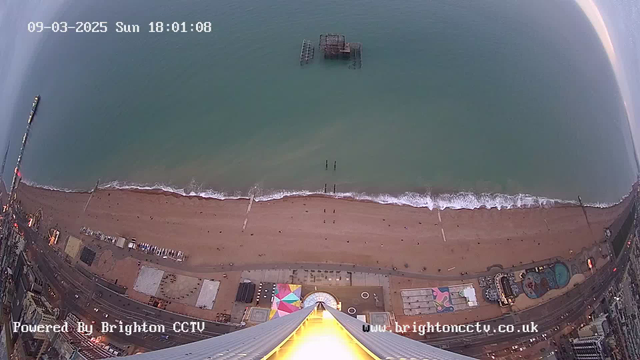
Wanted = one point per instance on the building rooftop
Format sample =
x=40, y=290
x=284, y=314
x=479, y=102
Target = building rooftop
x=320, y=330
x=40, y=303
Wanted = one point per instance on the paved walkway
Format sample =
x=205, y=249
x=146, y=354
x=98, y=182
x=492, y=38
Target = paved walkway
x=220, y=267
x=332, y=266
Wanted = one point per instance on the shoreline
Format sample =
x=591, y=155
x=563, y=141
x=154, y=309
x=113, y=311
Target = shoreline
x=456, y=201
x=319, y=229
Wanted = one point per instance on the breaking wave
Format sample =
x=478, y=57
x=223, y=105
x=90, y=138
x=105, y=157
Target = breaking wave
x=47, y=187
x=460, y=200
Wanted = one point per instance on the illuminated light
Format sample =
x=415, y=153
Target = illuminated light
x=590, y=263
x=53, y=236
x=321, y=337
x=322, y=297
x=615, y=269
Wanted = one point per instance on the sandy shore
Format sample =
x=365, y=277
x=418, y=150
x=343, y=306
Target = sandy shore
x=320, y=229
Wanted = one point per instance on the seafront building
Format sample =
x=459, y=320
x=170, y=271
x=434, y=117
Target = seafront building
x=589, y=348
x=36, y=312
x=598, y=326
x=315, y=332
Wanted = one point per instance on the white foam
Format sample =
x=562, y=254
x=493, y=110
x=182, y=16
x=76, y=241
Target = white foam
x=461, y=200
x=210, y=194
x=47, y=187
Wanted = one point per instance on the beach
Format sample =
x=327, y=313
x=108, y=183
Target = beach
x=318, y=229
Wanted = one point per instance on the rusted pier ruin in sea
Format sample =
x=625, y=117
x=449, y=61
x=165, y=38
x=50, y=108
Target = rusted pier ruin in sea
x=335, y=46
x=306, y=52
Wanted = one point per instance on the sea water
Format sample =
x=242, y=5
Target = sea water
x=457, y=104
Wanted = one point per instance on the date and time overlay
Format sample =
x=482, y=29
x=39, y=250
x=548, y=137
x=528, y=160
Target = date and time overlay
x=120, y=27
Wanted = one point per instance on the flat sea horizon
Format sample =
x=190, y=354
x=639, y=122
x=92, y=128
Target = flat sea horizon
x=458, y=105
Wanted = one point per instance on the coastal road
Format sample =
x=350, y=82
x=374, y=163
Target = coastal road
x=68, y=282
x=116, y=306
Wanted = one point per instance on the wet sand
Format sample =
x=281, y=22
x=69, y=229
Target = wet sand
x=320, y=229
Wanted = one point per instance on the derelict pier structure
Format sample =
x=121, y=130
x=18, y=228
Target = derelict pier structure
x=335, y=47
